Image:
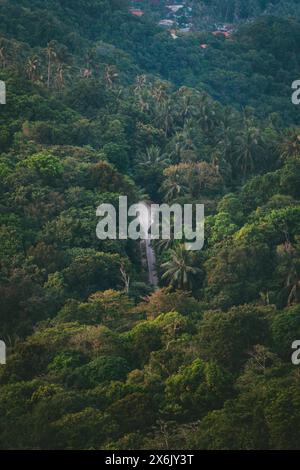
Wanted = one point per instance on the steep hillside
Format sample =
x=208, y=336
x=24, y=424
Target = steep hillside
x=102, y=103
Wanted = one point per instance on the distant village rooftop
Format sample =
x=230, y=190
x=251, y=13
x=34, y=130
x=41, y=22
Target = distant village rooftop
x=175, y=8
x=136, y=12
x=166, y=22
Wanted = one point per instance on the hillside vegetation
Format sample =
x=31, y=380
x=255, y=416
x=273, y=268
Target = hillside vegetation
x=102, y=104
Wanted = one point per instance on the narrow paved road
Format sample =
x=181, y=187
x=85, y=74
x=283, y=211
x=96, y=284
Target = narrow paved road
x=150, y=254
x=153, y=278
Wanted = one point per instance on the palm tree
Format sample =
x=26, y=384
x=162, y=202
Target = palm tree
x=186, y=104
x=162, y=108
x=289, y=255
x=293, y=287
x=142, y=92
x=162, y=244
x=292, y=283
x=163, y=114
x=225, y=134
x=290, y=144
x=2, y=56
x=61, y=73
x=206, y=112
x=159, y=93
x=187, y=135
x=247, y=144
x=51, y=55
x=90, y=63
x=140, y=83
x=180, y=269
x=110, y=75
x=32, y=68
x=153, y=157
x=172, y=187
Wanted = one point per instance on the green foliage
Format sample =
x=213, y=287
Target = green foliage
x=100, y=370
x=102, y=104
x=197, y=388
x=228, y=337
x=46, y=166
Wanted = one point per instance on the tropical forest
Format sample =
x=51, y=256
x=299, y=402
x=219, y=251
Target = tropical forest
x=119, y=344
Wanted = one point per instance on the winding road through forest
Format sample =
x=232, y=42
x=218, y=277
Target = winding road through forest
x=145, y=219
x=151, y=261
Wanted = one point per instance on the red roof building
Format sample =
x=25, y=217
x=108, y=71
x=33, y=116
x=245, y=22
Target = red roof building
x=226, y=34
x=137, y=13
